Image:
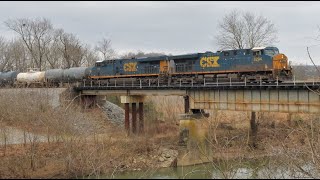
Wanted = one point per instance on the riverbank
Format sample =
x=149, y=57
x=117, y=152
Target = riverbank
x=79, y=157
x=113, y=152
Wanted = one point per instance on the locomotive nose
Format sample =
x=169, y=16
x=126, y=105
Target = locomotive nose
x=280, y=61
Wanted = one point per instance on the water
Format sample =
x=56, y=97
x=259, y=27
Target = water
x=11, y=135
x=190, y=172
x=204, y=171
x=227, y=170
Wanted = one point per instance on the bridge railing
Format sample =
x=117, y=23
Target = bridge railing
x=143, y=83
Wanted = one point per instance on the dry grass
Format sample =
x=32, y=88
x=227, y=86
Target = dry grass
x=80, y=143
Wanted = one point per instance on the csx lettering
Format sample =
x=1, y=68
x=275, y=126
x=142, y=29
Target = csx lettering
x=211, y=61
x=130, y=67
x=257, y=59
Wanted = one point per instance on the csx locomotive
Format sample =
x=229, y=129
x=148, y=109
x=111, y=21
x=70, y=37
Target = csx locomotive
x=261, y=64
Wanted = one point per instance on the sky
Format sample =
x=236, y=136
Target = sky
x=172, y=27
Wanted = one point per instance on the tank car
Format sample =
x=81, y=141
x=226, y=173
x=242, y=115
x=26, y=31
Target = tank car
x=74, y=74
x=54, y=77
x=8, y=78
x=34, y=78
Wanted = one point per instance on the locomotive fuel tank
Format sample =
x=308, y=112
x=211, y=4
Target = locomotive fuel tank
x=31, y=77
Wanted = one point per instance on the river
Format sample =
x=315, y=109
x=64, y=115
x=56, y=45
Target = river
x=12, y=135
x=244, y=169
x=257, y=169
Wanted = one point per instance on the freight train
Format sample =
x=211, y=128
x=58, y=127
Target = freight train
x=260, y=64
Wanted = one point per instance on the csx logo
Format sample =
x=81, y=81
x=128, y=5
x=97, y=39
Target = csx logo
x=130, y=67
x=211, y=61
x=257, y=59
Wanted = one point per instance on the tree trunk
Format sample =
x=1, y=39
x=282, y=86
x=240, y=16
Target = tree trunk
x=254, y=131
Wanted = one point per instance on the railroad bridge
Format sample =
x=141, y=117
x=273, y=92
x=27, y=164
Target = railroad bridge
x=287, y=97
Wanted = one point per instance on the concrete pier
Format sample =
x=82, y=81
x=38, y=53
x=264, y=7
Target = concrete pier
x=195, y=142
x=136, y=127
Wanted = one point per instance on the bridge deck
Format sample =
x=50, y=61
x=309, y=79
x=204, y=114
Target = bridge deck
x=292, y=97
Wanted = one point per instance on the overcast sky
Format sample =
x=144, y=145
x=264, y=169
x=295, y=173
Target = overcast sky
x=171, y=27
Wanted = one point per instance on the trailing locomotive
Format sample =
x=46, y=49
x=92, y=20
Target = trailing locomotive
x=262, y=64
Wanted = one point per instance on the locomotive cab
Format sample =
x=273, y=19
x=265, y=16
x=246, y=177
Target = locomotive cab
x=281, y=69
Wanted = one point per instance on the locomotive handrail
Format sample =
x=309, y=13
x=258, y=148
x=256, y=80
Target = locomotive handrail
x=287, y=86
x=244, y=83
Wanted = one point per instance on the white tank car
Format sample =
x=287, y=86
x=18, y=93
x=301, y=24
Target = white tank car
x=31, y=77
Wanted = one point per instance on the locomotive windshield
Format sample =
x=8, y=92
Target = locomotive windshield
x=271, y=52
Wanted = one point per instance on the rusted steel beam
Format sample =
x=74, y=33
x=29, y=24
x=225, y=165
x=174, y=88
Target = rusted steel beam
x=134, y=118
x=126, y=117
x=141, y=121
x=186, y=104
x=288, y=101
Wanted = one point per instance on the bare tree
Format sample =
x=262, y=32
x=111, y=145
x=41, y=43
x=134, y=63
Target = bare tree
x=18, y=53
x=231, y=33
x=36, y=35
x=54, y=54
x=90, y=57
x=104, y=47
x=4, y=58
x=80, y=53
x=239, y=30
x=73, y=51
x=39, y=45
x=12, y=55
x=139, y=54
x=316, y=67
